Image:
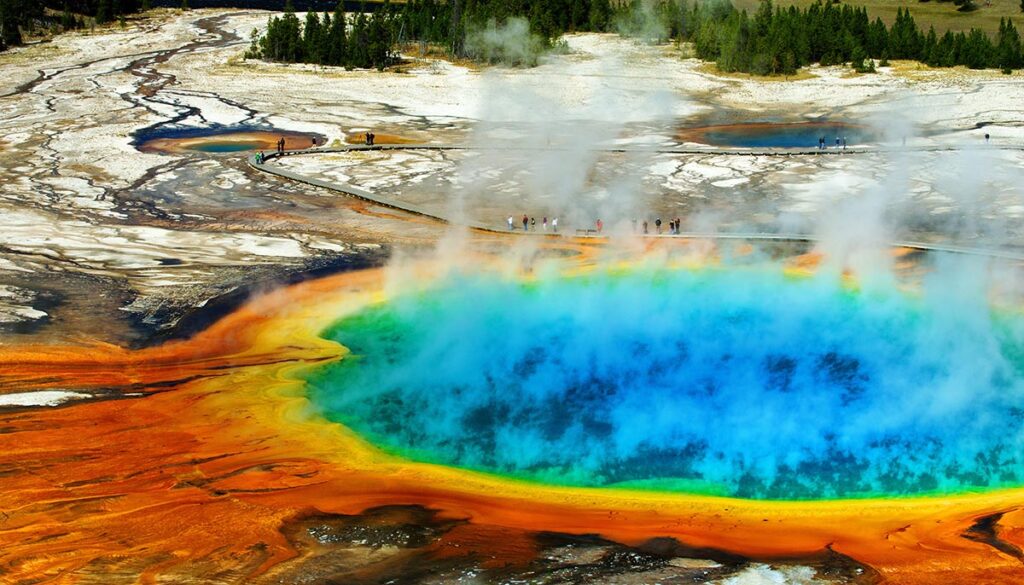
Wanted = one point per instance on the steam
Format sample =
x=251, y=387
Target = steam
x=510, y=43
x=537, y=146
x=738, y=381
x=643, y=22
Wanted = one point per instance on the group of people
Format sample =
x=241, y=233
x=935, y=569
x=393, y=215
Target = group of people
x=260, y=157
x=370, y=137
x=822, y=145
x=674, y=226
x=280, y=146
x=530, y=223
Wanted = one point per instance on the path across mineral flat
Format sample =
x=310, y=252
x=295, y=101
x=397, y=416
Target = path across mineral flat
x=383, y=200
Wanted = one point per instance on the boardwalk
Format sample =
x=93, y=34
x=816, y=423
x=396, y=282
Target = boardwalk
x=359, y=193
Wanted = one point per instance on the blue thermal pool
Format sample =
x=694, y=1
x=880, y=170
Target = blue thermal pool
x=779, y=135
x=222, y=139
x=737, y=382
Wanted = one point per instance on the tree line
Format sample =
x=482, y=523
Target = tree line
x=373, y=41
x=21, y=17
x=360, y=41
x=779, y=40
x=772, y=41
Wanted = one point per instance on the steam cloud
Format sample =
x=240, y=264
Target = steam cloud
x=734, y=381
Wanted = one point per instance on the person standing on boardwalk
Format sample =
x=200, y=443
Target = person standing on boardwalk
x=645, y=226
x=657, y=225
x=600, y=225
x=533, y=224
x=554, y=225
x=545, y=223
x=526, y=222
x=679, y=224
x=511, y=225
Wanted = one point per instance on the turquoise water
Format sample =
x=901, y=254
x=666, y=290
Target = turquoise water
x=787, y=135
x=741, y=382
x=225, y=146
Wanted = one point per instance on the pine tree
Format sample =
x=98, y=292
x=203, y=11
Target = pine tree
x=253, y=52
x=104, y=12
x=311, y=38
x=67, y=20
x=978, y=51
x=600, y=14
x=1008, y=47
x=10, y=31
x=337, y=39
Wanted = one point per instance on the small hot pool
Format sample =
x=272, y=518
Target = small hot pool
x=223, y=139
x=780, y=135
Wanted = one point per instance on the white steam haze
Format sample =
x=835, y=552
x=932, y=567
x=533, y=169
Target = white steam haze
x=510, y=43
x=928, y=372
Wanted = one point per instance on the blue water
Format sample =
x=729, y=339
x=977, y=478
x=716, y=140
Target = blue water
x=786, y=135
x=226, y=146
x=222, y=139
x=743, y=383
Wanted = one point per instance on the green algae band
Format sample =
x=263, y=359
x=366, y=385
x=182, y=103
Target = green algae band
x=742, y=383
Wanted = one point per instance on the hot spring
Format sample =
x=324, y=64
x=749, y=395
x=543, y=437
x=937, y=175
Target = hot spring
x=780, y=135
x=222, y=139
x=742, y=382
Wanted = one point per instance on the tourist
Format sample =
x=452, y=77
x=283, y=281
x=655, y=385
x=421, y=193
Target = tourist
x=679, y=224
x=373, y=138
x=986, y=138
x=545, y=224
x=366, y=139
x=844, y=143
x=314, y=142
x=600, y=225
x=645, y=226
x=657, y=225
x=554, y=225
x=533, y=224
x=837, y=142
x=526, y=222
x=511, y=225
